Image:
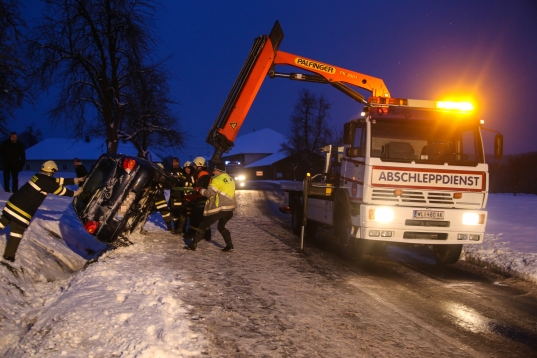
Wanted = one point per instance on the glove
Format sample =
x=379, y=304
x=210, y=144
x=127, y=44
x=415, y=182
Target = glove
x=77, y=192
x=80, y=180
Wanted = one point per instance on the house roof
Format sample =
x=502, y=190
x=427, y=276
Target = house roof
x=262, y=141
x=273, y=158
x=67, y=149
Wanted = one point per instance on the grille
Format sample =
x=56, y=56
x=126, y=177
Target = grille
x=440, y=198
x=425, y=235
x=412, y=196
x=428, y=223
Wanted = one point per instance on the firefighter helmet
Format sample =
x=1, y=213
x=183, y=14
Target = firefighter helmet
x=160, y=165
x=187, y=164
x=199, y=161
x=49, y=167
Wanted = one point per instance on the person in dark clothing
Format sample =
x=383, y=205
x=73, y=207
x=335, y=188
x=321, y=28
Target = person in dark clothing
x=80, y=169
x=13, y=161
x=175, y=201
x=179, y=203
x=203, y=178
x=22, y=205
x=219, y=207
x=162, y=207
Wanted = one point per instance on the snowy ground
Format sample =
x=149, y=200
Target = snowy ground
x=137, y=301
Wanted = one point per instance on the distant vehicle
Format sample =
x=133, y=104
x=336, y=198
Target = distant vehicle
x=236, y=171
x=118, y=194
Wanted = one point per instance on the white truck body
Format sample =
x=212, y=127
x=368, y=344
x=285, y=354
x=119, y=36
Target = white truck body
x=409, y=175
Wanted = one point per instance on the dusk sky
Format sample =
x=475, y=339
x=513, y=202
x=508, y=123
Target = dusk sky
x=485, y=50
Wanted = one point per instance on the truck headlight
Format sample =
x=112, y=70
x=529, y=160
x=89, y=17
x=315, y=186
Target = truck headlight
x=383, y=215
x=473, y=219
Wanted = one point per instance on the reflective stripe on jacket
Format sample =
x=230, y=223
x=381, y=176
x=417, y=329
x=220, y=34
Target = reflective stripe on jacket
x=221, y=194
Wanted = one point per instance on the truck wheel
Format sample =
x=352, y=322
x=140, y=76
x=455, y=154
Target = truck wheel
x=296, y=216
x=349, y=247
x=311, y=230
x=447, y=254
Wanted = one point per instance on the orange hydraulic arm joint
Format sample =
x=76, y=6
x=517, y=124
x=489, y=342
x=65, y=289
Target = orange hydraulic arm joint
x=224, y=130
x=336, y=76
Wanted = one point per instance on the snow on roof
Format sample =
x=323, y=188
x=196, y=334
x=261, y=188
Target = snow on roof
x=262, y=141
x=273, y=158
x=67, y=149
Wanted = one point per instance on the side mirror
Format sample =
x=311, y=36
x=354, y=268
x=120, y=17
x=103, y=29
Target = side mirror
x=498, y=146
x=348, y=133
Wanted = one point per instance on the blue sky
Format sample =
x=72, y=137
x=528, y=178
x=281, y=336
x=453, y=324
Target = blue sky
x=485, y=50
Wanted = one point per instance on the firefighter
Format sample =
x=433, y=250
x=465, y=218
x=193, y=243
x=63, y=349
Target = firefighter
x=185, y=209
x=162, y=207
x=203, y=178
x=176, y=196
x=219, y=207
x=22, y=205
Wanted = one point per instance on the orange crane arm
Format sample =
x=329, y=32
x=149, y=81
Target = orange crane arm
x=261, y=61
x=334, y=74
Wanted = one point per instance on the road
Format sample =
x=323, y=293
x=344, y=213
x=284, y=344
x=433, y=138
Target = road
x=268, y=299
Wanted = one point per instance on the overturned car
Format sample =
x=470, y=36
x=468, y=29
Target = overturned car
x=118, y=194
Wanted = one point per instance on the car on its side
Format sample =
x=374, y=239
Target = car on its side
x=118, y=194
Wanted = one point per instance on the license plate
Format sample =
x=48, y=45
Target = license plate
x=428, y=214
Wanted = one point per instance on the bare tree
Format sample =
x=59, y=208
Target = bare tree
x=309, y=127
x=31, y=136
x=148, y=116
x=13, y=89
x=94, y=50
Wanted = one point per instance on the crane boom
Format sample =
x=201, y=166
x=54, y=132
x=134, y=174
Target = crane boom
x=261, y=62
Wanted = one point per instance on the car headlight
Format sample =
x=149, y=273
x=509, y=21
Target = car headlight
x=383, y=215
x=473, y=219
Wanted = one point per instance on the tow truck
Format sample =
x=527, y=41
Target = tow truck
x=410, y=172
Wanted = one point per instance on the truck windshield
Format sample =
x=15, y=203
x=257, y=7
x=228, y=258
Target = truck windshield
x=426, y=141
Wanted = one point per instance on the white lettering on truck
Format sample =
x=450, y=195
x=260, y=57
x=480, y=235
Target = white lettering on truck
x=401, y=177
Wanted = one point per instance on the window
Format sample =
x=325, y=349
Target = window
x=64, y=167
x=426, y=141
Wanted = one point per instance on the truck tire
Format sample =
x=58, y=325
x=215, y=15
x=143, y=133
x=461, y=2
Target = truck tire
x=311, y=230
x=447, y=254
x=349, y=247
x=296, y=216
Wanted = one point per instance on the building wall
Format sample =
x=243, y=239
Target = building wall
x=286, y=169
x=245, y=159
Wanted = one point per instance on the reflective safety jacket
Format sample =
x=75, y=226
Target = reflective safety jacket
x=221, y=194
x=23, y=204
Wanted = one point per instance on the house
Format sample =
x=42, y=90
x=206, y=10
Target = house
x=63, y=151
x=254, y=146
x=258, y=153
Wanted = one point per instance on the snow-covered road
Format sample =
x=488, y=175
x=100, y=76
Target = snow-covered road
x=265, y=299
